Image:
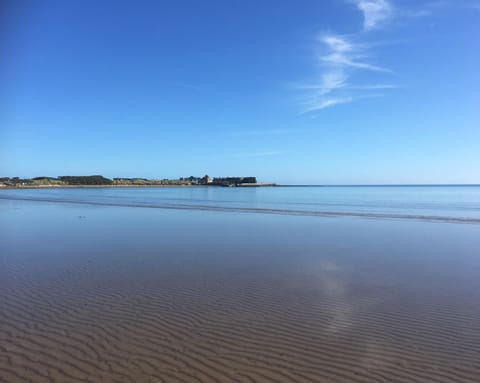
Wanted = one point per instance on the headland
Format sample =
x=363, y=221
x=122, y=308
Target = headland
x=101, y=181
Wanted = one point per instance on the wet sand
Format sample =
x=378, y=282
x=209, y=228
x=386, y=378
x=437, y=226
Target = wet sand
x=118, y=294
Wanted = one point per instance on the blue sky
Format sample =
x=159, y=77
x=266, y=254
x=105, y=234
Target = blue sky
x=323, y=92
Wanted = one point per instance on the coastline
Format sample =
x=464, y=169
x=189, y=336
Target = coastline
x=127, y=186
x=93, y=186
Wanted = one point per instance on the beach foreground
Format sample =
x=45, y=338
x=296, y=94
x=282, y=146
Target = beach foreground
x=130, y=294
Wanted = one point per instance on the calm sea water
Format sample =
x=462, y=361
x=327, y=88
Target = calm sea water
x=447, y=203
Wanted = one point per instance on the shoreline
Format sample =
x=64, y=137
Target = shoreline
x=128, y=186
x=263, y=184
x=92, y=186
x=270, y=211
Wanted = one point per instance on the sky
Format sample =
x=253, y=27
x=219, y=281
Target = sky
x=297, y=92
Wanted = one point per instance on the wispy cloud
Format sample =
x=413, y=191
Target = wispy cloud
x=375, y=12
x=343, y=53
x=326, y=103
x=325, y=90
x=423, y=9
x=340, y=57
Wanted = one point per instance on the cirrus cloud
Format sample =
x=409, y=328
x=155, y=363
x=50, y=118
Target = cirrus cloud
x=341, y=57
x=375, y=12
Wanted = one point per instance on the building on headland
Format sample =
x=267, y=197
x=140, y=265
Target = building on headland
x=234, y=181
x=205, y=180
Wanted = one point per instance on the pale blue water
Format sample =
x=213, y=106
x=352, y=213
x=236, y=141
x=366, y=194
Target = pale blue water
x=439, y=203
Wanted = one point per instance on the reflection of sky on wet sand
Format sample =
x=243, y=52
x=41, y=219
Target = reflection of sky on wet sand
x=418, y=272
x=375, y=294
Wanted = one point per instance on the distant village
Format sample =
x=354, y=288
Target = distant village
x=101, y=181
x=223, y=181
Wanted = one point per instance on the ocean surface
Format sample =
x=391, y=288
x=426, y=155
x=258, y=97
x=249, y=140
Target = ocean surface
x=232, y=285
x=439, y=203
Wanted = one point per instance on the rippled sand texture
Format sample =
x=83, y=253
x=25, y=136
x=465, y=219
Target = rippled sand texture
x=260, y=303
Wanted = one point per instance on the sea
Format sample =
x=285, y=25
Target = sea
x=438, y=203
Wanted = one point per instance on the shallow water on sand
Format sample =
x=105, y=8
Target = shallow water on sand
x=438, y=203
x=92, y=293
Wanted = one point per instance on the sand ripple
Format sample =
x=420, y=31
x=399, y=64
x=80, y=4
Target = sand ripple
x=155, y=321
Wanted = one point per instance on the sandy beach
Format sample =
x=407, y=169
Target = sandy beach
x=278, y=299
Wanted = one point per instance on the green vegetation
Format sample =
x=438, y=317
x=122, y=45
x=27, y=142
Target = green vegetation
x=98, y=180
x=147, y=182
x=86, y=180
